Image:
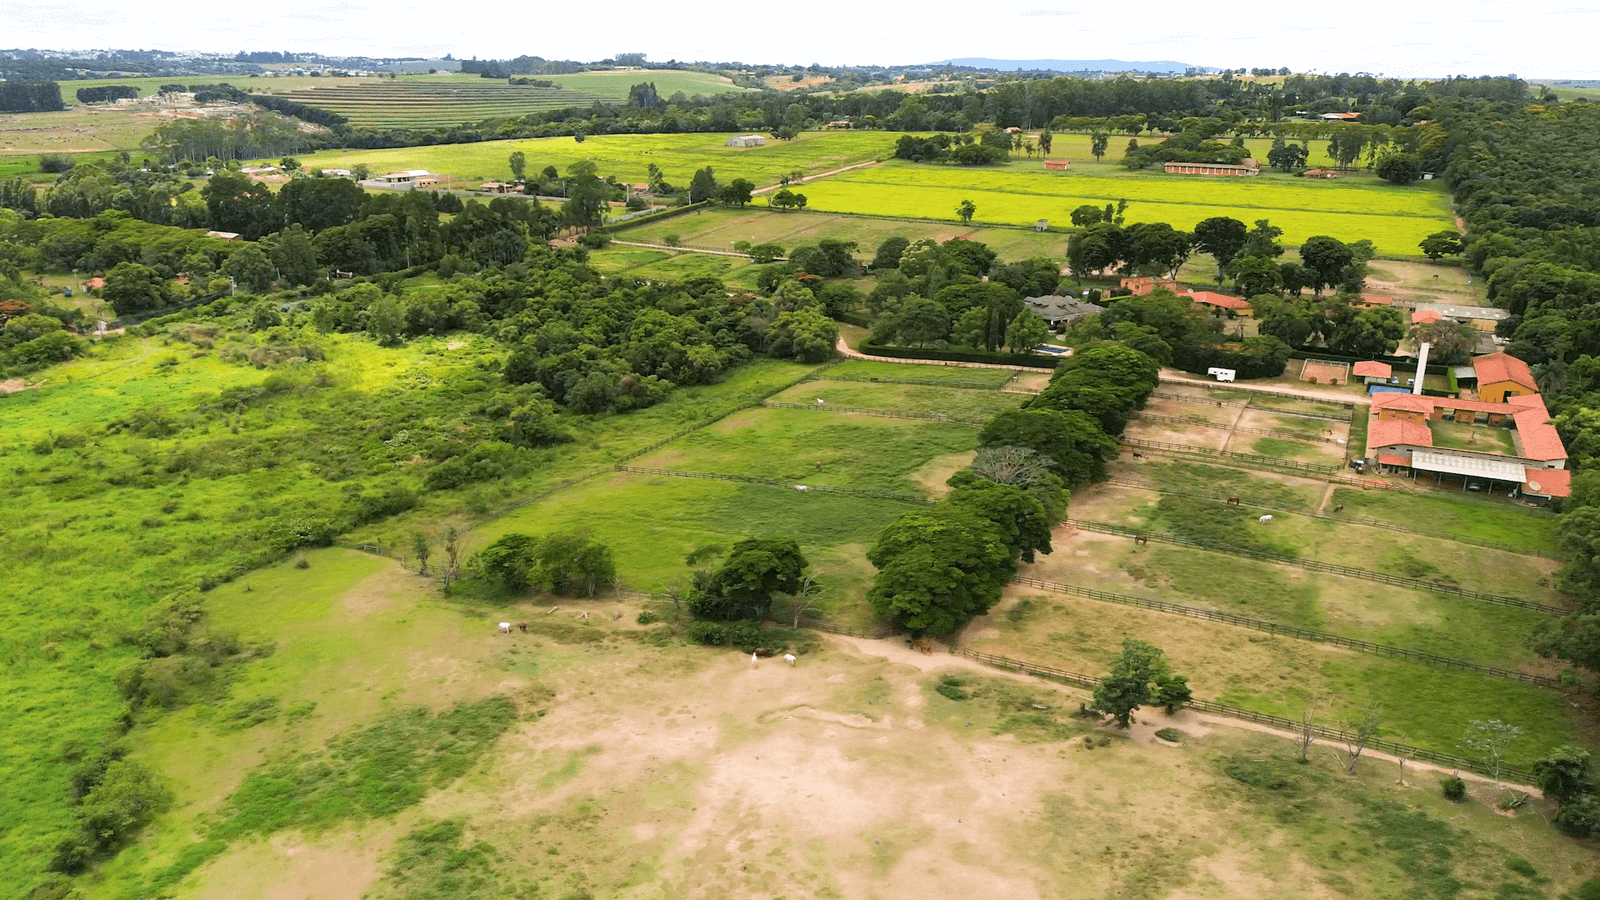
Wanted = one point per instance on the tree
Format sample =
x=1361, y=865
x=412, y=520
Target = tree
x=1021, y=518
x=1487, y=740
x=937, y=568
x=1253, y=275
x=1441, y=244
x=889, y=253
x=1087, y=214
x=1286, y=157
x=1138, y=674
x=421, y=548
x=801, y=600
x=133, y=288
x=1158, y=245
x=1096, y=248
x=1026, y=331
x=703, y=186
x=519, y=165
x=1263, y=240
x=1564, y=774
x=1097, y=144
x=966, y=211
x=1306, y=731
x=1325, y=258
x=1359, y=733
x=743, y=586
x=586, y=195
x=1222, y=237
x=1400, y=168
x=736, y=192
x=1046, y=137
x=1073, y=442
x=250, y=269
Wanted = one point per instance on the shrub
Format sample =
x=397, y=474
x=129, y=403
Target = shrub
x=1454, y=788
x=953, y=688
x=1580, y=817
x=747, y=636
x=1589, y=890
x=1522, y=867
x=1171, y=735
x=647, y=617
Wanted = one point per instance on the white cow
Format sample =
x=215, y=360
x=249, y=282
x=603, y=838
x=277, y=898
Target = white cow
x=1266, y=518
x=789, y=658
x=505, y=627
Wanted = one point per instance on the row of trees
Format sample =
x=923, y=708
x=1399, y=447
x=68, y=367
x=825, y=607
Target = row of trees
x=940, y=566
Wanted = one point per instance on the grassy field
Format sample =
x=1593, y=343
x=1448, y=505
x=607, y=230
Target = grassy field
x=628, y=156
x=1394, y=219
x=615, y=85
x=975, y=404
x=1450, y=512
x=860, y=368
x=437, y=104
x=77, y=129
x=629, y=755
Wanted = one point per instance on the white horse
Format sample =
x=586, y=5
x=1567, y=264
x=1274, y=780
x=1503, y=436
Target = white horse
x=505, y=627
x=789, y=658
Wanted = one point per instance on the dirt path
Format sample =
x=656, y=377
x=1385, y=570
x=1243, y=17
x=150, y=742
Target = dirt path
x=686, y=249
x=894, y=650
x=773, y=187
x=1326, y=496
x=1176, y=376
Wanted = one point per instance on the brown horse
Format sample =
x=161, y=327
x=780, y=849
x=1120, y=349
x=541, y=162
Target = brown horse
x=1233, y=501
x=1140, y=540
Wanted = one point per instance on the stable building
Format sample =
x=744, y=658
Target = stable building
x=1246, y=168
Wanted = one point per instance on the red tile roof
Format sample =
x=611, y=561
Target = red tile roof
x=1394, y=459
x=1372, y=369
x=1213, y=298
x=1503, y=367
x=1387, y=432
x=1529, y=401
x=1411, y=402
x=1538, y=437
x=1424, y=315
x=1549, y=482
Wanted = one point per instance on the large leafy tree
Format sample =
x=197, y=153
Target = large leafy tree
x=1139, y=676
x=1021, y=518
x=754, y=570
x=1157, y=245
x=1223, y=238
x=1073, y=442
x=131, y=288
x=937, y=568
x=1326, y=259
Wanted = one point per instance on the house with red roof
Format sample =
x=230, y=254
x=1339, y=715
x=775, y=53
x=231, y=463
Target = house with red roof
x=1425, y=317
x=1218, y=303
x=1373, y=372
x=1400, y=440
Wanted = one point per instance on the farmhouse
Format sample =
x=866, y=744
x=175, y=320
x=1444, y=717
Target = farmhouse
x=1417, y=435
x=497, y=187
x=410, y=178
x=1373, y=372
x=1066, y=312
x=746, y=140
x=1246, y=168
x=1218, y=303
x=1139, y=285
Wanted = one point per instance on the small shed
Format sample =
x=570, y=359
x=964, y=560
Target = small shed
x=1042, y=225
x=1057, y=165
x=746, y=140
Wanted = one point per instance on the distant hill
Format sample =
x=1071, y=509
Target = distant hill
x=1069, y=65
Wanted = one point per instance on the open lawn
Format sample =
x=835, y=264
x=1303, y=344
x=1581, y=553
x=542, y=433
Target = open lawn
x=825, y=448
x=1394, y=219
x=615, y=85
x=1458, y=436
x=1490, y=520
x=76, y=129
x=1423, y=705
x=628, y=754
x=959, y=377
x=627, y=156
x=972, y=404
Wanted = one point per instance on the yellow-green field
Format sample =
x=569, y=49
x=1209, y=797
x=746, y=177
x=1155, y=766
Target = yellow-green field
x=1351, y=209
x=628, y=156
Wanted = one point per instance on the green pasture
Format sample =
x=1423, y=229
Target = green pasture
x=821, y=448
x=1394, y=219
x=863, y=368
x=627, y=156
x=76, y=129
x=615, y=85
x=652, y=522
x=433, y=104
x=974, y=404
x=718, y=229
x=1489, y=520
x=265, y=84
x=1423, y=705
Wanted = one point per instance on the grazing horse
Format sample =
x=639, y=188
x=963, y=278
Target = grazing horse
x=1233, y=501
x=505, y=627
x=1138, y=455
x=1339, y=508
x=1140, y=540
x=522, y=627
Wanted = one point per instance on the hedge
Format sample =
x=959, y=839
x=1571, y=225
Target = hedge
x=1021, y=360
x=1246, y=364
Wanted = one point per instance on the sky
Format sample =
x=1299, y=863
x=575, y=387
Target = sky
x=1401, y=39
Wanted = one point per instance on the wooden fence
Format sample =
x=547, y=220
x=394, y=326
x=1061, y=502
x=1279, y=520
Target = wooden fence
x=1248, y=459
x=1303, y=509
x=1207, y=423
x=1319, y=566
x=1404, y=751
x=1304, y=634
